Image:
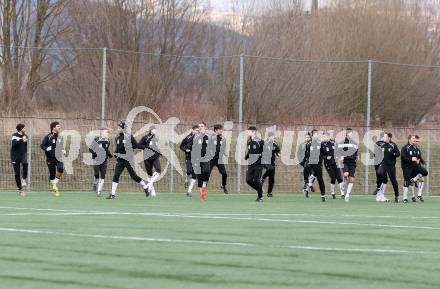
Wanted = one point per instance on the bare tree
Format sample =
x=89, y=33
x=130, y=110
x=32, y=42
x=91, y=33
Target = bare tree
x=396, y=31
x=167, y=28
x=27, y=23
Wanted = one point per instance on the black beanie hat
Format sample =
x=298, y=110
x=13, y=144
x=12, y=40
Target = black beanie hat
x=121, y=124
x=19, y=127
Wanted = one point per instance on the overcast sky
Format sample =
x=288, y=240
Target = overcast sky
x=221, y=5
x=225, y=5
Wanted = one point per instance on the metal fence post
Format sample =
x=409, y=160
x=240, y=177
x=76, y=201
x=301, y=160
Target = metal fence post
x=29, y=152
x=370, y=76
x=103, y=83
x=240, y=118
x=171, y=180
x=428, y=160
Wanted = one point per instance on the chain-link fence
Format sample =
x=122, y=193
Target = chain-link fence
x=288, y=177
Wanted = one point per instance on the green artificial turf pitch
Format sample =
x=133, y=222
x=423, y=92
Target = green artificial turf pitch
x=171, y=241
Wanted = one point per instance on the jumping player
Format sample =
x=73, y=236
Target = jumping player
x=387, y=167
x=421, y=182
x=218, y=159
x=315, y=162
x=100, y=166
x=151, y=158
x=51, y=144
x=412, y=168
x=349, y=152
x=304, y=155
x=125, y=144
x=255, y=168
x=186, y=146
x=270, y=152
x=328, y=152
x=201, y=159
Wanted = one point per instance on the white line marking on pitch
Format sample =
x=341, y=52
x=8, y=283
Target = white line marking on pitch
x=239, y=244
x=232, y=214
x=217, y=217
x=123, y=237
x=365, y=250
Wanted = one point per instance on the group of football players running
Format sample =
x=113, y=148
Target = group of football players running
x=314, y=152
x=204, y=151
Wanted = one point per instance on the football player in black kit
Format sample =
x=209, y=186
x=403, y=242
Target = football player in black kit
x=412, y=168
x=19, y=160
x=125, y=144
x=186, y=146
x=218, y=158
x=201, y=156
x=315, y=162
x=379, y=143
x=152, y=154
x=328, y=152
x=420, y=183
x=52, y=145
x=387, y=167
x=102, y=144
x=304, y=155
x=349, y=152
x=270, y=152
x=255, y=168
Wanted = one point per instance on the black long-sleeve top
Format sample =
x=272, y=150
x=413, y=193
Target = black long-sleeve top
x=303, y=153
x=100, y=143
x=350, y=149
x=50, y=143
x=126, y=142
x=328, y=150
x=254, y=151
x=407, y=153
x=390, y=152
x=186, y=145
x=270, y=152
x=220, y=146
x=151, y=147
x=18, y=147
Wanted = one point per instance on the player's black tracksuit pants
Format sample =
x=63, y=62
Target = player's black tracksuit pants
x=316, y=169
x=204, y=173
x=17, y=165
x=190, y=169
x=151, y=164
x=221, y=168
x=384, y=171
x=270, y=173
x=253, y=178
x=412, y=171
x=334, y=173
x=100, y=170
x=121, y=165
x=54, y=166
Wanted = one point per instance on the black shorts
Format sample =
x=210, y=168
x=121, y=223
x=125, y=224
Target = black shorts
x=419, y=169
x=100, y=170
x=349, y=168
x=54, y=166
